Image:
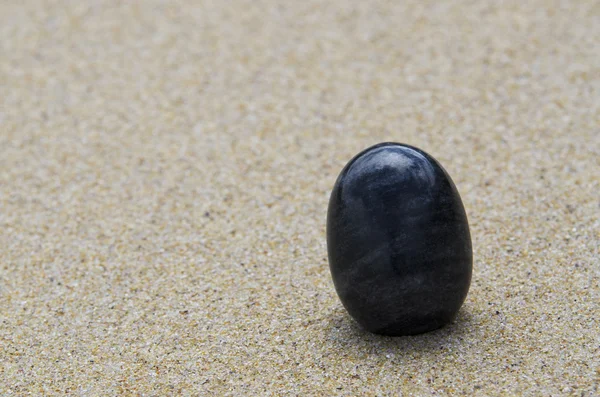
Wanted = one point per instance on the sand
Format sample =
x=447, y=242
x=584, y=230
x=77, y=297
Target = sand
x=165, y=168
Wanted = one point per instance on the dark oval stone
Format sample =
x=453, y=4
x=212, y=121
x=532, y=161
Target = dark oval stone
x=398, y=241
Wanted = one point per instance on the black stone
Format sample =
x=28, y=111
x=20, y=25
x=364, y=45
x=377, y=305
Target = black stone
x=398, y=241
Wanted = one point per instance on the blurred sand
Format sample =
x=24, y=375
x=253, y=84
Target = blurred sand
x=165, y=168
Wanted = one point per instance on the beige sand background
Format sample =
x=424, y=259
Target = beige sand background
x=165, y=168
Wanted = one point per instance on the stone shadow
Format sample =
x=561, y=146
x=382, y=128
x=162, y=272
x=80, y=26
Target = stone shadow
x=342, y=332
